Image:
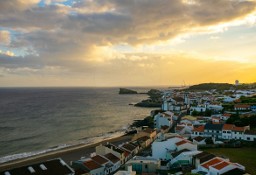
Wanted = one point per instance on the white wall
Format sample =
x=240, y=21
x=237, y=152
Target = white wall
x=159, y=149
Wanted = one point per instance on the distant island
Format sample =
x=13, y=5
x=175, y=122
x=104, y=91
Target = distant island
x=127, y=91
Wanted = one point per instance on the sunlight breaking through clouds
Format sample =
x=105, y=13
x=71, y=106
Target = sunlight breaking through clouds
x=110, y=38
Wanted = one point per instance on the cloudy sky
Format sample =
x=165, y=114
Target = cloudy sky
x=126, y=42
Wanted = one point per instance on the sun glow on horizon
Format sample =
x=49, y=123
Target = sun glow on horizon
x=117, y=43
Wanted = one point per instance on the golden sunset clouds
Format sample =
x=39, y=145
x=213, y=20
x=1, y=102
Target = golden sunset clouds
x=126, y=42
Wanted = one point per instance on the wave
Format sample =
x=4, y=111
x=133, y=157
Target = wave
x=80, y=142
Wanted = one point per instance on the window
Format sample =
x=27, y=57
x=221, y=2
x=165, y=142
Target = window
x=146, y=166
x=248, y=138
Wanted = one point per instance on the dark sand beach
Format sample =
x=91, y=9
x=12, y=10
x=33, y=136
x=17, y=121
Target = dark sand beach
x=67, y=154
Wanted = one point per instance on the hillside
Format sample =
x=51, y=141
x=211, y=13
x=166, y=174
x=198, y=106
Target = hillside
x=210, y=86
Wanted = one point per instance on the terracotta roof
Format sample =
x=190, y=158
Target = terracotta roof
x=237, y=101
x=129, y=147
x=227, y=115
x=99, y=159
x=143, y=139
x=199, y=129
x=242, y=106
x=114, y=148
x=126, y=153
x=178, y=99
x=91, y=165
x=240, y=129
x=81, y=171
x=198, y=138
x=112, y=157
x=179, y=128
x=228, y=127
x=212, y=162
x=221, y=165
x=204, y=156
x=216, y=122
x=182, y=142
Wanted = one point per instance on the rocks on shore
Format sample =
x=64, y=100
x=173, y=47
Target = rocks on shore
x=153, y=101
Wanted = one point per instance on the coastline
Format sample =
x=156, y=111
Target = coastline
x=67, y=154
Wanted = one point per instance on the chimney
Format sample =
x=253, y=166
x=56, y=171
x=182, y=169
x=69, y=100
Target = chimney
x=129, y=169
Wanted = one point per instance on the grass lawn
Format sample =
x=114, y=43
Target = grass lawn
x=243, y=156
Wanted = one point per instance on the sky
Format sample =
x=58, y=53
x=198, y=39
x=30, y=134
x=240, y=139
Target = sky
x=104, y=43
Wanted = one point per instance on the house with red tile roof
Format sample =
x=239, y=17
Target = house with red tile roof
x=217, y=166
x=88, y=165
x=198, y=131
x=238, y=132
x=250, y=135
x=185, y=144
x=143, y=141
x=151, y=133
x=131, y=148
x=223, y=167
x=107, y=164
x=225, y=116
x=242, y=107
x=116, y=162
x=199, y=140
x=205, y=166
x=227, y=131
x=110, y=148
x=202, y=157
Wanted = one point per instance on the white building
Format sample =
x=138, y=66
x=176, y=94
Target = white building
x=143, y=164
x=163, y=120
x=227, y=131
x=185, y=144
x=217, y=166
x=161, y=147
x=250, y=135
x=185, y=157
x=197, y=109
x=215, y=108
x=128, y=172
x=114, y=160
x=199, y=140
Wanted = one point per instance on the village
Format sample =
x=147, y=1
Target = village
x=187, y=124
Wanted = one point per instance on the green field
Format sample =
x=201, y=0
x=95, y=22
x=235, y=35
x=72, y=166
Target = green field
x=243, y=156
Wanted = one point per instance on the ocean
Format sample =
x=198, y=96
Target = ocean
x=38, y=120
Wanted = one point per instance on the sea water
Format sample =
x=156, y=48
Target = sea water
x=37, y=120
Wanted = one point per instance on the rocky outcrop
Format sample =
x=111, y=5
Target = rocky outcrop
x=153, y=101
x=127, y=91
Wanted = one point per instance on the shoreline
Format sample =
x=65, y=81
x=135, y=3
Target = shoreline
x=68, y=154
